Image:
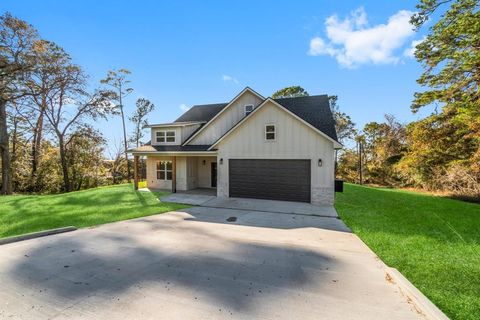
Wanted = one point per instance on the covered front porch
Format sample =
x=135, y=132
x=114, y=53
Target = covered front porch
x=179, y=172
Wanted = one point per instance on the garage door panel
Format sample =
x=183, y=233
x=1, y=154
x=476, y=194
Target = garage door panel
x=270, y=179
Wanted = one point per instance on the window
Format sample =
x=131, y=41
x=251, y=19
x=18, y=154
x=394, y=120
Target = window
x=165, y=136
x=164, y=170
x=248, y=109
x=170, y=136
x=160, y=136
x=270, y=132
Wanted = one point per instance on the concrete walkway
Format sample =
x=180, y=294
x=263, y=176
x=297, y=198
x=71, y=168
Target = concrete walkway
x=271, y=206
x=201, y=263
x=187, y=198
x=251, y=204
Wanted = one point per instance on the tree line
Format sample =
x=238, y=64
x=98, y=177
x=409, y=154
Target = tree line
x=47, y=107
x=442, y=151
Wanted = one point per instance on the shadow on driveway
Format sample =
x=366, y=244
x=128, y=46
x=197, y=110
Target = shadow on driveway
x=199, y=263
x=229, y=271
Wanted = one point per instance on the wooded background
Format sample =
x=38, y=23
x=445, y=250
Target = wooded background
x=48, y=143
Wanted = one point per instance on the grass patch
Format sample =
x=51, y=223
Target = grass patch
x=20, y=214
x=433, y=241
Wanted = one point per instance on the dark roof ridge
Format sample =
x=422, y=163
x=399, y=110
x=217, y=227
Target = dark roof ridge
x=309, y=96
x=208, y=104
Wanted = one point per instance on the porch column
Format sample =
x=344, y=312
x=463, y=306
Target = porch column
x=135, y=172
x=174, y=174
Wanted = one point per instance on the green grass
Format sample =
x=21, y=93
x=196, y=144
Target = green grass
x=21, y=214
x=433, y=241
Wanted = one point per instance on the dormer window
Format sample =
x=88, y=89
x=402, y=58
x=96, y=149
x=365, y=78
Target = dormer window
x=165, y=136
x=170, y=136
x=160, y=136
x=248, y=109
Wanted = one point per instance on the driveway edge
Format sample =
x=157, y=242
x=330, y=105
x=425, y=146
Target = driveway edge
x=418, y=299
x=38, y=234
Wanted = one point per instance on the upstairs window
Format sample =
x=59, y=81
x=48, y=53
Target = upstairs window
x=164, y=170
x=248, y=109
x=160, y=136
x=170, y=136
x=270, y=132
x=165, y=136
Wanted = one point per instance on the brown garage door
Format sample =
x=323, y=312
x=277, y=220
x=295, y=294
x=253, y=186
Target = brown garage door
x=287, y=180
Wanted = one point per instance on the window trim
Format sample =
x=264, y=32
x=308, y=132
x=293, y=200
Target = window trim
x=245, y=109
x=274, y=132
x=163, y=134
x=164, y=169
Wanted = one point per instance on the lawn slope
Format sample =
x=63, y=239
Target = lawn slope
x=21, y=214
x=433, y=241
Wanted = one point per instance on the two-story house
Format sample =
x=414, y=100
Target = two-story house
x=251, y=147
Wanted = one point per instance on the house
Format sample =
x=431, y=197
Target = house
x=251, y=147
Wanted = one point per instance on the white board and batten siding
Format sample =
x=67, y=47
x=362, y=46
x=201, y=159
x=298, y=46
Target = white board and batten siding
x=294, y=140
x=178, y=136
x=188, y=130
x=182, y=133
x=226, y=120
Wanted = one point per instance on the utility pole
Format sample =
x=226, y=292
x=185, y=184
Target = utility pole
x=360, y=152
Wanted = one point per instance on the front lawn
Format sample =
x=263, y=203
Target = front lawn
x=433, y=241
x=21, y=214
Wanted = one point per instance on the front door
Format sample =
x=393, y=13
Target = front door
x=214, y=174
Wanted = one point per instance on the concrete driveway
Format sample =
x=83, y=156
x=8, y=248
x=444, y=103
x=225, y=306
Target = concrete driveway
x=251, y=204
x=202, y=263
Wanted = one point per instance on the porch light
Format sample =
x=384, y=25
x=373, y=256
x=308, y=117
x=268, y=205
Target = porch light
x=221, y=160
x=204, y=162
x=319, y=162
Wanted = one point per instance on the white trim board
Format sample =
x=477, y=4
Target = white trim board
x=174, y=124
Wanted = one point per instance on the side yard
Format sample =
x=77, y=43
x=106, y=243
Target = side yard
x=21, y=214
x=433, y=241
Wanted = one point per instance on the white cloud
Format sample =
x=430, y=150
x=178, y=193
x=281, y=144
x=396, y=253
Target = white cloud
x=352, y=42
x=227, y=78
x=410, y=51
x=184, y=107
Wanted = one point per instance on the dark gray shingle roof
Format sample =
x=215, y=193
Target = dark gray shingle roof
x=313, y=109
x=204, y=112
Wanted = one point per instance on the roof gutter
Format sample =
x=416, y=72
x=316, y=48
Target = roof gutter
x=174, y=153
x=173, y=124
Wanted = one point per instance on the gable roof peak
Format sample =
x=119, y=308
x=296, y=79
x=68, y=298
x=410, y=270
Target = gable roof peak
x=221, y=110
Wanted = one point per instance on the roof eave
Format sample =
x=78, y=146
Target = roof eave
x=174, y=153
x=174, y=124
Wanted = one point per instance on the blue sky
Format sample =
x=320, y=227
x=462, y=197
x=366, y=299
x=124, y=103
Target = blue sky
x=194, y=52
